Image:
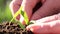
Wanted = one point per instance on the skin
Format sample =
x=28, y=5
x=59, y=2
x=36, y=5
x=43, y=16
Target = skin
x=50, y=24
x=15, y=5
x=47, y=16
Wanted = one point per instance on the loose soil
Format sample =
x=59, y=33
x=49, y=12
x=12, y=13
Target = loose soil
x=12, y=28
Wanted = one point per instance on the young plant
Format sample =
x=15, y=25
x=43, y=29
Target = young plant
x=23, y=13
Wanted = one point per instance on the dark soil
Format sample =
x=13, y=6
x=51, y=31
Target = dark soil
x=12, y=28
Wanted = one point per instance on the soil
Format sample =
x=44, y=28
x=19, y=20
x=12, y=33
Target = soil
x=12, y=28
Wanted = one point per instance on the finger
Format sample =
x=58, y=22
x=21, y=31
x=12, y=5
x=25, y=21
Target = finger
x=47, y=9
x=28, y=5
x=39, y=28
x=14, y=6
x=51, y=27
x=49, y=18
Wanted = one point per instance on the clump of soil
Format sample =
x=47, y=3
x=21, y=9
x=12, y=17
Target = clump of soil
x=12, y=28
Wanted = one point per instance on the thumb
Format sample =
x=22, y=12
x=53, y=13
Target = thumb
x=49, y=18
x=51, y=27
x=46, y=27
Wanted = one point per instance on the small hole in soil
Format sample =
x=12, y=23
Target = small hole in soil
x=18, y=26
x=14, y=27
x=8, y=27
x=7, y=23
x=1, y=26
x=17, y=29
x=4, y=31
x=11, y=23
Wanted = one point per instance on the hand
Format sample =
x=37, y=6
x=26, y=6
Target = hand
x=15, y=4
x=49, y=7
x=47, y=25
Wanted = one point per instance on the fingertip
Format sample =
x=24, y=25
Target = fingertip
x=29, y=27
x=32, y=28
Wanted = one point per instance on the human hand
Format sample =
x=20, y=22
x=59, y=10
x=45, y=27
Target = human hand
x=48, y=8
x=45, y=10
x=47, y=25
x=28, y=6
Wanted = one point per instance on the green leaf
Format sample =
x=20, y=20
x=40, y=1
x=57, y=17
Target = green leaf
x=26, y=18
x=24, y=14
x=21, y=25
x=14, y=17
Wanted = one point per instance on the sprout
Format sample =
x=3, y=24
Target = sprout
x=23, y=13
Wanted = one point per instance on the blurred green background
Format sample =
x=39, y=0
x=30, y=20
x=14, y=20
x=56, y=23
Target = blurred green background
x=5, y=12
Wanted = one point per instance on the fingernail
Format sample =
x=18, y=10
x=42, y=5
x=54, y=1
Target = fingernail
x=27, y=28
x=31, y=29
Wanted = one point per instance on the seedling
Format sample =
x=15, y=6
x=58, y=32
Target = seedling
x=23, y=13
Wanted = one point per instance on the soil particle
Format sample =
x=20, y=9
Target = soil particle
x=12, y=28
